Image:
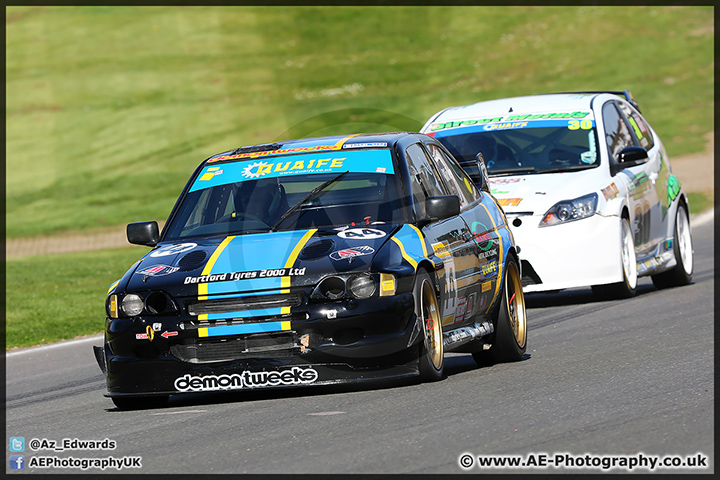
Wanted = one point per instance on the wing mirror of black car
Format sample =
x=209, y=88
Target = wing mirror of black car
x=143, y=233
x=629, y=157
x=440, y=208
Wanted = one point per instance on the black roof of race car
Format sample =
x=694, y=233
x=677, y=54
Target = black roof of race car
x=309, y=145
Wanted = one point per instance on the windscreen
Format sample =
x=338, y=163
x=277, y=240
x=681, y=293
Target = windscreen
x=294, y=192
x=535, y=146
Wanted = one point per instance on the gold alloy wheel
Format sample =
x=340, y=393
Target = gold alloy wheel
x=431, y=325
x=516, y=305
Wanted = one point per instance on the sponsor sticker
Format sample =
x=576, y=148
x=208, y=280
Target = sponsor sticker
x=509, y=202
x=488, y=253
x=513, y=121
x=158, y=270
x=483, y=236
x=489, y=269
x=355, y=161
x=460, y=309
x=234, y=276
x=361, y=233
x=610, y=191
x=365, y=145
x=504, y=181
x=470, y=305
x=173, y=249
x=350, y=253
x=247, y=379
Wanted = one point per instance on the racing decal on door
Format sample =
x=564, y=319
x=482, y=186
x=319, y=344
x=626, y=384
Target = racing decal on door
x=501, y=254
x=639, y=188
x=641, y=224
x=450, y=300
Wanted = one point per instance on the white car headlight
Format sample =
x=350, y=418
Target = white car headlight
x=570, y=210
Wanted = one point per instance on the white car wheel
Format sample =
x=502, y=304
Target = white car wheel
x=681, y=274
x=626, y=288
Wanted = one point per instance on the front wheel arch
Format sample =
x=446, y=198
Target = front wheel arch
x=431, y=362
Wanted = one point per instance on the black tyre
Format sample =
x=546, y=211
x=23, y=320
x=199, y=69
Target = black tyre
x=431, y=361
x=628, y=287
x=510, y=338
x=140, y=403
x=681, y=274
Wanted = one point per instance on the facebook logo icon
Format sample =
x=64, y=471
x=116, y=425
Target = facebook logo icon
x=17, y=462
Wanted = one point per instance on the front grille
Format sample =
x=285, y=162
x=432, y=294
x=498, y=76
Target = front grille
x=238, y=304
x=264, y=345
x=529, y=276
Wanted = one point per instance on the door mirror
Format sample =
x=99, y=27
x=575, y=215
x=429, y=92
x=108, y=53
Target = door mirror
x=439, y=208
x=630, y=157
x=143, y=233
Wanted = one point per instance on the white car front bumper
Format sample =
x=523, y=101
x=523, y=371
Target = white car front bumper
x=574, y=254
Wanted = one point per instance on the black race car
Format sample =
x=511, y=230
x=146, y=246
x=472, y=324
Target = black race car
x=310, y=262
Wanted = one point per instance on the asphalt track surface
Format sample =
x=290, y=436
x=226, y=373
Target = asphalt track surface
x=618, y=378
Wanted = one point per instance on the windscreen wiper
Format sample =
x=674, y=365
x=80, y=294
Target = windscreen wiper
x=567, y=168
x=307, y=197
x=504, y=171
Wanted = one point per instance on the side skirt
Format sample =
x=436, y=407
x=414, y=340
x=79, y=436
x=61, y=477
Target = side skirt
x=454, y=340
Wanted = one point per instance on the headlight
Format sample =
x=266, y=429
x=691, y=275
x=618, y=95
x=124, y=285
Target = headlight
x=132, y=305
x=570, y=210
x=361, y=286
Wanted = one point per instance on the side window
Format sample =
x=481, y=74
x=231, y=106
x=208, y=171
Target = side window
x=639, y=126
x=422, y=176
x=617, y=132
x=454, y=177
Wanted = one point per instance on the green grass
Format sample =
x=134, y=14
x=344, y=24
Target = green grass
x=59, y=297
x=109, y=109
x=700, y=202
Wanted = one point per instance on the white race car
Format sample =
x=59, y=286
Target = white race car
x=586, y=184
